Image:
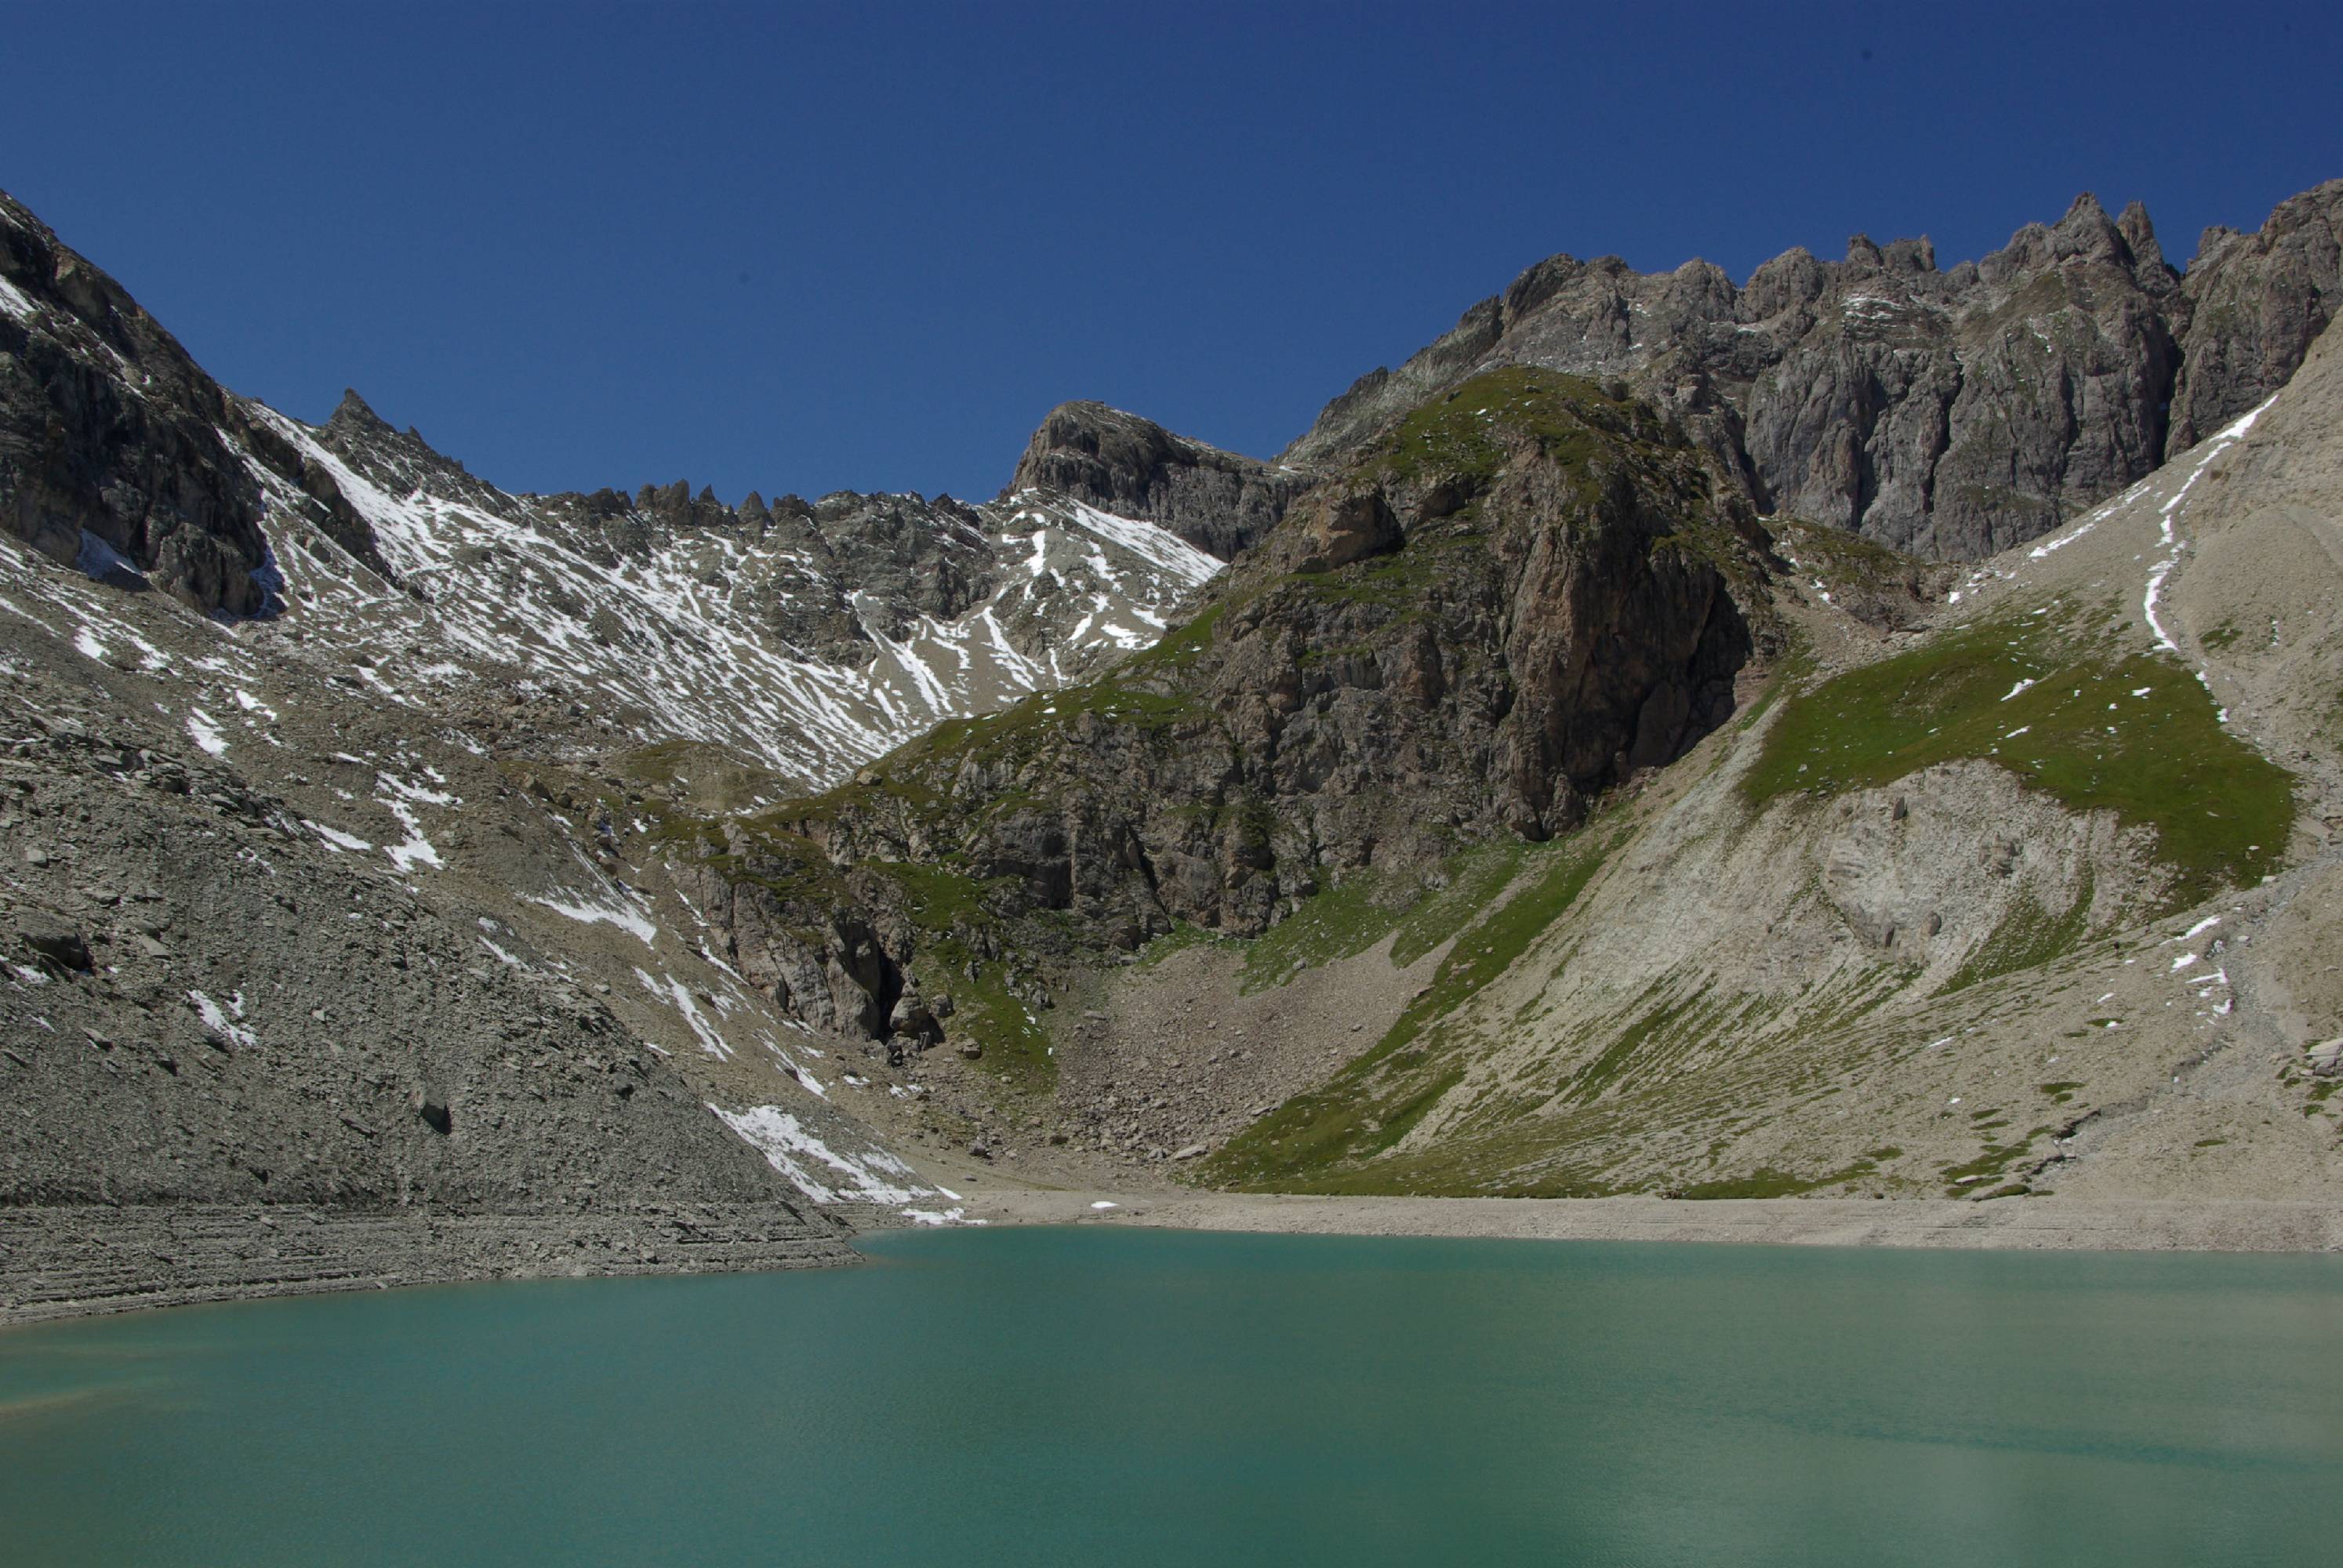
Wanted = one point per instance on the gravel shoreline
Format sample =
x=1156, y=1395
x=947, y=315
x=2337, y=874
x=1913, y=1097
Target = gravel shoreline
x=80, y=1261
x=2046, y=1223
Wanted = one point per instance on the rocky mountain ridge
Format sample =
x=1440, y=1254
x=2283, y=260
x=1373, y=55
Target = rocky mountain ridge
x=2017, y=893
x=335, y=792
x=1447, y=812
x=1950, y=414
x=1118, y=462
x=805, y=636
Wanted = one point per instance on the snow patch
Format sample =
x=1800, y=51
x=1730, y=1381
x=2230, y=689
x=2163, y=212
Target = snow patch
x=204, y=731
x=218, y=1024
x=675, y=994
x=623, y=915
x=2173, y=545
x=818, y=1171
x=335, y=838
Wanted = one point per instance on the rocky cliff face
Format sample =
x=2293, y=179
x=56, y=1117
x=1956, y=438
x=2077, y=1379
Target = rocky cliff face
x=1950, y=414
x=1520, y=598
x=117, y=451
x=2257, y=302
x=1121, y=463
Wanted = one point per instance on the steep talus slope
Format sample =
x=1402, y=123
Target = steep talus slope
x=276, y=950
x=1950, y=414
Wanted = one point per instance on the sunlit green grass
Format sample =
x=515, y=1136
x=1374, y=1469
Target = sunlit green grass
x=2078, y=715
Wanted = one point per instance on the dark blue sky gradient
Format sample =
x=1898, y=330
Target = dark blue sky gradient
x=867, y=247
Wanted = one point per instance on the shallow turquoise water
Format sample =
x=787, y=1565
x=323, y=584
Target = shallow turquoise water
x=1112, y=1396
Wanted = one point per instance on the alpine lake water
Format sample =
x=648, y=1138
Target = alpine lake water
x=1097, y=1395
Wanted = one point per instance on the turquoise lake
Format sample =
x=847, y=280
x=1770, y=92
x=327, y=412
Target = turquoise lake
x=1099, y=1395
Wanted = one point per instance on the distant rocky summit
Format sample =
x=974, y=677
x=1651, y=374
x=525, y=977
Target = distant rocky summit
x=1948, y=414
x=1118, y=462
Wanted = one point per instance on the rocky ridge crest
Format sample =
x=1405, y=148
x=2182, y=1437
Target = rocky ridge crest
x=1118, y=462
x=1946, y=412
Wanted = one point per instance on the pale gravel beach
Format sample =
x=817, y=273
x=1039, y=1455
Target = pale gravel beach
x=2032, y=1224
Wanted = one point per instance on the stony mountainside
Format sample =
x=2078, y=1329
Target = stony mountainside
x=1946, y=412
x=337, y=791
x=2018, y=889
x=1521, y=598
x=2030, y=902
x=1505, y=794
x=805, y=636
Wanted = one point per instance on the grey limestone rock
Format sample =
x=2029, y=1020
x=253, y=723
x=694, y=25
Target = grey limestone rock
x=2257, y=303
x=1476, y=650
x=1950, y=414
x=1121, y=463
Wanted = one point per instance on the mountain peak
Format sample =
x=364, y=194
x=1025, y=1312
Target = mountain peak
x=1121, y=463
x=353, y=414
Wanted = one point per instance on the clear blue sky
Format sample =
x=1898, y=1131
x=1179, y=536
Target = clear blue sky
x=868, y=247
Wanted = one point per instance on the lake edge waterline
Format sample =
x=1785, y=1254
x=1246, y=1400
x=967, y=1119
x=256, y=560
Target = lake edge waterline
x=220, y=1253
x=95, y=1260
x=2031, y=1224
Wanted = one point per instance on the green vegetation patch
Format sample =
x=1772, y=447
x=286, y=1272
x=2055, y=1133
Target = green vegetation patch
x=1842, y=558
x=1475, y=428
x=937, y=897
x=1318, y=1141
x=1989, y=1165
x=2029, y=936
x=2096, y=724
x=1038, y=717
x=1472, y=431
x=1346, y=920
x=1182, y=936
x=1016, y=1048
x=1177, y=649
x=1399, y=582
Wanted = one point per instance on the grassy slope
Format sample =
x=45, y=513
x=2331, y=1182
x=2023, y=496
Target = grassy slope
x=1314, y=1142
x=2068, y=704
x=2157, y=758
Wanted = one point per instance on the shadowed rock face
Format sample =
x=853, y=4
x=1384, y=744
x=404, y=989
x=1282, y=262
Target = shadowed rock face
x=117, y=451
x=1217, y=501
x=134, y=461
x=2257, y=303
x=1947, y=413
